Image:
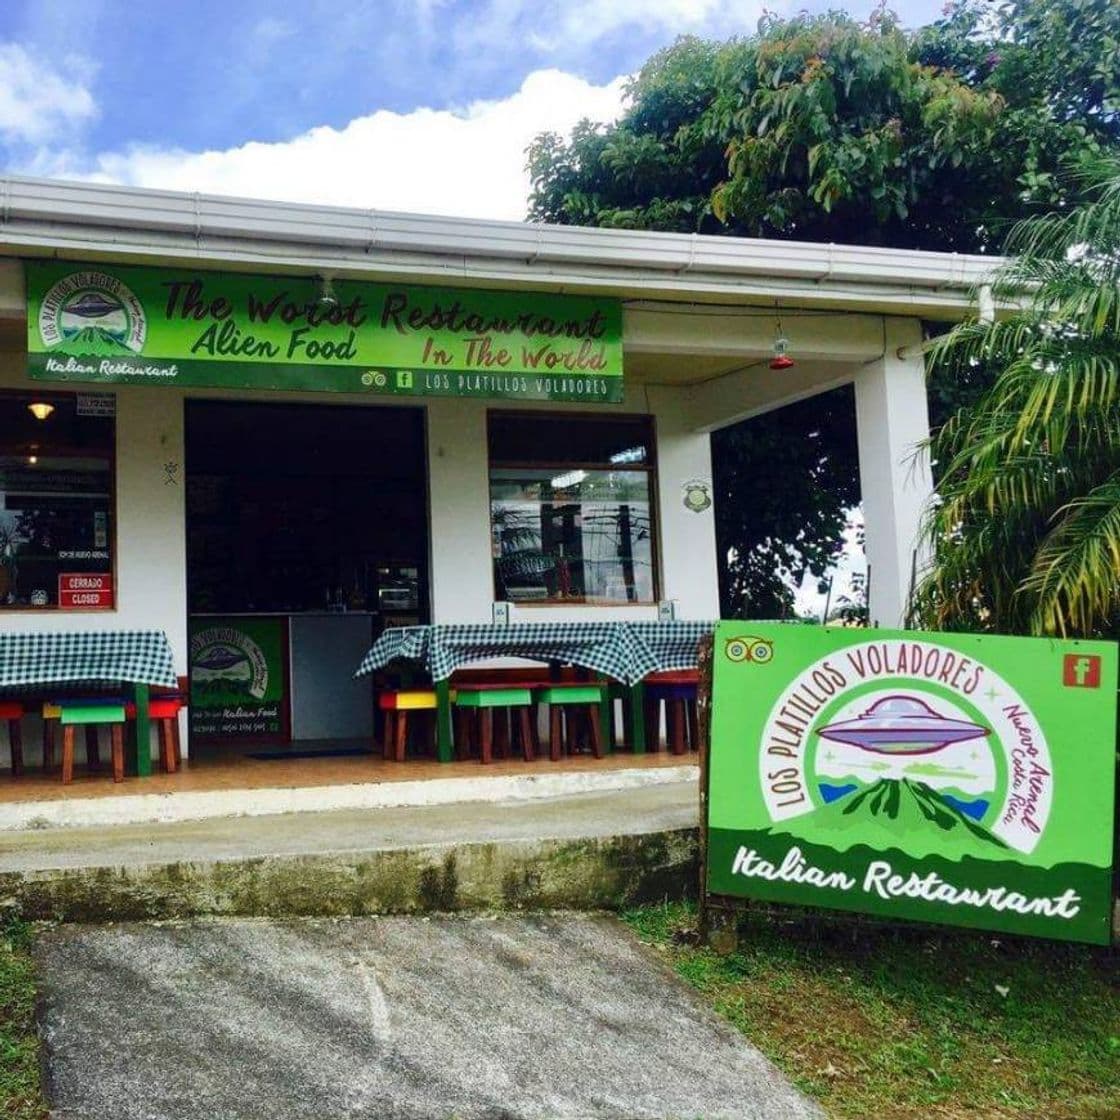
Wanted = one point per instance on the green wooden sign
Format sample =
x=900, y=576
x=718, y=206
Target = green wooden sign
x=181, y=327
x=939, y=777
x=238, y=678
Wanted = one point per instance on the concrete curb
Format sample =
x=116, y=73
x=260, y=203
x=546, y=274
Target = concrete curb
x=598, y=873
x=144, y=808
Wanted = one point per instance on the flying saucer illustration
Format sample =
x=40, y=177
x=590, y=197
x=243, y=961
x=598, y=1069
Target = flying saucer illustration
x=901, y=725
x=92, y=305
x=219, y=659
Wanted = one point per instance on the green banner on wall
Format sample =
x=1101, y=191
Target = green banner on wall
x=238, y=678
x=146, y=326
x=939, y=777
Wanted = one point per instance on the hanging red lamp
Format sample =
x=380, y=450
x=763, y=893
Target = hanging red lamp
x=781, y=359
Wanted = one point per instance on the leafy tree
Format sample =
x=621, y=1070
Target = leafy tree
x=814, y=440
x=1027, y=532
x=821, y=128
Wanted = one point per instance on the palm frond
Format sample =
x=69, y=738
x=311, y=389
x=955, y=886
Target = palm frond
x=1075, y=577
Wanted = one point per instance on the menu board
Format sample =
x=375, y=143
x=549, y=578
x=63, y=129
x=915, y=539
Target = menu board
x=239, y=678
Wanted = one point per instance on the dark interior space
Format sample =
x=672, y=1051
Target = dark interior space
x=294, y=508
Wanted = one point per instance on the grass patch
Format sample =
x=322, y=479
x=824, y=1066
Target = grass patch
x=906, y=1023
x=21, y=1095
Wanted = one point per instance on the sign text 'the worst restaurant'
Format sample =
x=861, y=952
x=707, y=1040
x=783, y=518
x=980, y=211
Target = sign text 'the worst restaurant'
x=154, y=326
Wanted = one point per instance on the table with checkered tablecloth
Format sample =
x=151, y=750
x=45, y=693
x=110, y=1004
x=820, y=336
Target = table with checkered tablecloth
x=96, y=658
x=624, y=651
x=135, y=656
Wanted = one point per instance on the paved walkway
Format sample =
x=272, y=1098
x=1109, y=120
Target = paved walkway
x=626, y=812
x=390, y=1018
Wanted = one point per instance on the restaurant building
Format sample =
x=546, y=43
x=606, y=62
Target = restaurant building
x=283, y=428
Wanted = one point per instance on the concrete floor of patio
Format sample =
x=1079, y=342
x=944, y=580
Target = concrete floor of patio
x=228, y=768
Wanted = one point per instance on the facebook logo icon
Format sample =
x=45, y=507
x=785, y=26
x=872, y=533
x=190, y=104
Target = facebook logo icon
x=1081, y=670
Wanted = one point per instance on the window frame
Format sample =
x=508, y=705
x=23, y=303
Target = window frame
x=649, y=467
x=26, y=396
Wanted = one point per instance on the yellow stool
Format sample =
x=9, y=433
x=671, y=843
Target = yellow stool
x=396, y=704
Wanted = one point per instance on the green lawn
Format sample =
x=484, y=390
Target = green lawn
x=20, y=1096
x=909, y=1023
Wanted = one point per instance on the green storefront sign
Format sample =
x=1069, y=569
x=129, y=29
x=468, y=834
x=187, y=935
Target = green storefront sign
x=181, y=327
x=939, y=777
x=238, y=678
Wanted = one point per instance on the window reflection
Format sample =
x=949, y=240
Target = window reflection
x=575, y=530
x=56, y=486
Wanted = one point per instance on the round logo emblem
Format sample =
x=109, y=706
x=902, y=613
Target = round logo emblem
x=697, y=495
x=908, y=739
x=92, y=313
x=229, y=659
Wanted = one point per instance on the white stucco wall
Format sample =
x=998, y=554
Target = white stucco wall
x=151, y=584
x=151, y=520
x=462, y=576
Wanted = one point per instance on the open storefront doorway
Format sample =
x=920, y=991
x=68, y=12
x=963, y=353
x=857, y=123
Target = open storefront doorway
x=307, y=534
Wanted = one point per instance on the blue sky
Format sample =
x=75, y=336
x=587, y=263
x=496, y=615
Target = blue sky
x=360, y=102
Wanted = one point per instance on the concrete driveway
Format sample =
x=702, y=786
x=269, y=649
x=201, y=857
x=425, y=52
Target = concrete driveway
x=476, y=1017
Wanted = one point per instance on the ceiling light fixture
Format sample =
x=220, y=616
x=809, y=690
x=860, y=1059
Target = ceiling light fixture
x=40, y=409
x=327, y=300
x=568, y=479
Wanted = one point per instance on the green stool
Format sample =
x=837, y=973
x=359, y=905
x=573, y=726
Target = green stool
x=568, y=701
x=91, y=716
x=483, y=700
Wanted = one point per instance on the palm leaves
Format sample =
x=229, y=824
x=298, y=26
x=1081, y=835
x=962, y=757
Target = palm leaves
x=1026, y=530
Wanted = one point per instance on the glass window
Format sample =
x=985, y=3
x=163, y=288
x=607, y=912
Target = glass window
x=56, y=500
x=571, y=509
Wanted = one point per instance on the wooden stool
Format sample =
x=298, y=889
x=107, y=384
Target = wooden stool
x=396, y=704
x=91, y=716
x=52, y=714
x=586, y=700
x=12, y=711
x=677, y=691
x=485, y=700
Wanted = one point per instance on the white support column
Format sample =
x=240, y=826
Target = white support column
x=892, y=414
x=688, y=536
x=459, y=487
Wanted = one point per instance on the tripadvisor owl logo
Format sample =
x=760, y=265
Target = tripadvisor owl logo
x=906, y=744
x=92, y=313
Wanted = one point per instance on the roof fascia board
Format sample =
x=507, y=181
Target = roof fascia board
x=43, y=216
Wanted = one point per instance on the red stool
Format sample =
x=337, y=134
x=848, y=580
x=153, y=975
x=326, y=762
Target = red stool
x=12, y=711
x=677, y=690
x=164, y=713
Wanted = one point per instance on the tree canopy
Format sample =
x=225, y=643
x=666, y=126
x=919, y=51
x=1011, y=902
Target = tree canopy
x=823, y=128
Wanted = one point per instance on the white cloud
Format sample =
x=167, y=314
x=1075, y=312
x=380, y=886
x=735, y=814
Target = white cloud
x=580, y=23
x=588, y=20
x=36, y=102
x=469, y=163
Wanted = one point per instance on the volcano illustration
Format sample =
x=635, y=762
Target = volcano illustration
x=895, y=812
x=93, y=340
x=901, y=725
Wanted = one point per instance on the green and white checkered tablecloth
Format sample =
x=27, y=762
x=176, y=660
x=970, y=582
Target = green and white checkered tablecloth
x=624, y=651
x=103, y=656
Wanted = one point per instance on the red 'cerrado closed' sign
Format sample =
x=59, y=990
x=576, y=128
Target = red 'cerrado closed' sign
x=85, y=590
